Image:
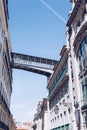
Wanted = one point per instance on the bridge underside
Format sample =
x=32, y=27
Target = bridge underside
x=31, y=69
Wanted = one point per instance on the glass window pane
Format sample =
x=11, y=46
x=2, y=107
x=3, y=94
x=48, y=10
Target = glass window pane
x=86, y=39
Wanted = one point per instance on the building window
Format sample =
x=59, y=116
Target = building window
x=58, y=117
x=69, y=110
x=84, y=90
x=0, y=23
x=82, y=58
x=60, y=94
x=61, y=115
x=82, y=54
x=64, y=113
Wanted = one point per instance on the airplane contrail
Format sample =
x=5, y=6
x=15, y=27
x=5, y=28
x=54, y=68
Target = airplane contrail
x=53, y=11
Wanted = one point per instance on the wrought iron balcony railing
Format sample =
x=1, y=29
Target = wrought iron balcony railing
x=58, y=82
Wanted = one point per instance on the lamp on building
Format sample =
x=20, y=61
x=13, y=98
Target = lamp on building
x=56, y=109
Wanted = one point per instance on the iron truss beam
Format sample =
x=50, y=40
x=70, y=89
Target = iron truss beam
x=34, y=64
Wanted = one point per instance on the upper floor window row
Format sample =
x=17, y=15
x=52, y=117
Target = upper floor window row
x=60, y=72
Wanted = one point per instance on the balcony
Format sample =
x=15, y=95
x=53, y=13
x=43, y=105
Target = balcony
x=59, y=82
x=84, y=103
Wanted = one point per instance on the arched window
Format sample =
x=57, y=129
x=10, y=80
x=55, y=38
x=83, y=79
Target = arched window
x=82, y=54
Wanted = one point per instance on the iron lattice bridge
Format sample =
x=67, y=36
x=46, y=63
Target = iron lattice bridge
x=34, y=64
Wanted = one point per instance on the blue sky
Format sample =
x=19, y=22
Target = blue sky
x=37, y=28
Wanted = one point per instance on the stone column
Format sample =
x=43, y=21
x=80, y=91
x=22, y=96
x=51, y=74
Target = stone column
x=73, y=3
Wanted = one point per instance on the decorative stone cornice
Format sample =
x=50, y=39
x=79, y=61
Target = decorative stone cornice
x=74, y=12
x=80, y=36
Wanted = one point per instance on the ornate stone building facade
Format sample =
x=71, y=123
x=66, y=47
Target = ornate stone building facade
x=68, y=86
x=77, y=38
x=6, y=119
x=60, y=94
x=41, y=118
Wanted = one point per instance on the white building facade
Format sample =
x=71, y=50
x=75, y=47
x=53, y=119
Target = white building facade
x=67, y=87
x=61, y=99
x=41, y=118
x=77, y=38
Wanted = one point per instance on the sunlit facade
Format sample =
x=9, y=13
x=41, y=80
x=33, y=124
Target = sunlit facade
x=61, y=101
x=24, y=126
x=41, y=117
x=67, y=88
x=77, y=38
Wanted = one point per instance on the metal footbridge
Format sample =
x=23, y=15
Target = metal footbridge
x=34, y=64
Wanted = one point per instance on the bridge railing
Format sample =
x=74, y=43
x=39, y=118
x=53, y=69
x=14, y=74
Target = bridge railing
x=33, y=61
